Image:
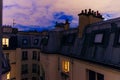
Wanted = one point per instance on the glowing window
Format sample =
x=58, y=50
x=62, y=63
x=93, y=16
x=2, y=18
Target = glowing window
x=5, y=42
x=8, y=76
x=66, y=66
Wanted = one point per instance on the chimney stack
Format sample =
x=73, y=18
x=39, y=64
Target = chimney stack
x=88, y=17
x=67, y=25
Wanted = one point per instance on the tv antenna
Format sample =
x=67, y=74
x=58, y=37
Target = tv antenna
x=14, y=22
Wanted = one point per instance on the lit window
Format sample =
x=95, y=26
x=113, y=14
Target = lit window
x=5, y=42
x=66, y=66
x=98, y=38
x=8, y=76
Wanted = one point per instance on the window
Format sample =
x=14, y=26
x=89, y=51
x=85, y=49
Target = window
x=36, y=41
x=5, y=42
x=68, y=39
x=34, y=68
x=44, y=40
x=66, y=66
x=34, y=78
x=24, y=42
x=24, y=55
x=8, y=76
x=98, y=38
x=34, y=56
x=117, y=38
x=94, y=75
x=24, y=69
x=38, y=69
x=38, y=56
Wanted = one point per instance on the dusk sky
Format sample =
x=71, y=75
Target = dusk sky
x=42, y=14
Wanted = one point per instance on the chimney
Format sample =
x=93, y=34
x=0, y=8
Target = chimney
x=67, y=25
x=86, y=11
x=86, y=18
x=89, y=12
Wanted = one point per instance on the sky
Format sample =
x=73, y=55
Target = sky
x=42, y=14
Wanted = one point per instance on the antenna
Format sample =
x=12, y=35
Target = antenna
x=14, y=22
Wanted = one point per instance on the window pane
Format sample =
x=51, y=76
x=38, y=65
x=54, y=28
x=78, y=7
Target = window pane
x=66, y=66
x=34, y=68
x=34, y=56
x=24, y=55
x=98, y=38
x=91, y=75
x=5, y=42
x=100, y=76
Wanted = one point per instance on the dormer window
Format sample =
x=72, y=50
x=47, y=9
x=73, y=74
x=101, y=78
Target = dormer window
x=5, y=42
x=44, y=40
x=98, y=38
x=24, y=41
x=68, y=39
x=36, y=41
x=117, y=38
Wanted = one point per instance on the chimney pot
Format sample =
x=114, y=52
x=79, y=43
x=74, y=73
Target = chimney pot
x=89, y=10
x=85, y=11
x=82, y=11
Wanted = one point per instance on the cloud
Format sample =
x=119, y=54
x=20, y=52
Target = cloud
x=45, y=13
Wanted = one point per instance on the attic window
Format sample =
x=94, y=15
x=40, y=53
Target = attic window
x=24, y=41
x=36, y=41
x=44, y=40
x=98, y=38
x=68, y=39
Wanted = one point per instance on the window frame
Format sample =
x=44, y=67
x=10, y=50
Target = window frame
x=34, y=68
x=24, y=68
x=44, y=40
x=101, y=35
x=117, y=38
x=5, y=42
x=34, y=55
x=105, y=38
x=95, y=76
x=24, y=55
x=66, y=66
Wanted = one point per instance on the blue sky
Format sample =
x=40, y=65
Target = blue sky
x=42, y=14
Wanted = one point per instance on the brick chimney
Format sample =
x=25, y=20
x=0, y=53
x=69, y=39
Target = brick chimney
x=62, y=26
x=67, y=25
x=87, y=17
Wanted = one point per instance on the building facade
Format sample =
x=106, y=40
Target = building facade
x=23, y=51
x=90, y=52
